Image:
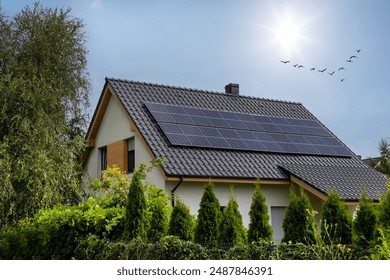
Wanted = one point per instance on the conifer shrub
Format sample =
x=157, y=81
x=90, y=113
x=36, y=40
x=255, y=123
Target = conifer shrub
x=181, y=223
x=159, y=212
x=365, y=222
x=259, y=225
x=231, y=228
x=336, y=224
x=136, y=208
x=298, y=224
x=209, y=213
x=384, y=209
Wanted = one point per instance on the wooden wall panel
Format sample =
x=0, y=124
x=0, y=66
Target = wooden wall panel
x=117, y=154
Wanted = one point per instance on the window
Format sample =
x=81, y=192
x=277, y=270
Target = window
x=103, y=158
x=130, y=156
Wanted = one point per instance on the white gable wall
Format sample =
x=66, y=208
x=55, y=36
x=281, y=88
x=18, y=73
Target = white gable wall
x=115, y=126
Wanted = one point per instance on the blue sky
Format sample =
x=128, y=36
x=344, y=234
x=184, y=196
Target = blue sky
x=208, y=44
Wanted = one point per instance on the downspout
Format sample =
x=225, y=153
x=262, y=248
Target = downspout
x=173, y=191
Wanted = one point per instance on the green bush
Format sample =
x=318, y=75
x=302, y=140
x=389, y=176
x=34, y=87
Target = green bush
x=365, y=222
x=55, y=233
x=259, y=225
x=159, y=212
x=336, y=224
x=136, y=208
x=209, y=213
x=384, y=209
x=181, y=223
x=231, y=229
x=298, y=224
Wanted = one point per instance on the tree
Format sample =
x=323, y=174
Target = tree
x=209, y=213
x=159, y=212
x=382, y=164
x=44, y=89
x=136, y=208
x=384, y=209
x=181, y=223
x=336, y=225
x=231, y=229
x=259, y=225
x=298, y=224
x=365, y=222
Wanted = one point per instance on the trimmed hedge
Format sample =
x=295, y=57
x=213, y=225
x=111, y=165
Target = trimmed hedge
x=55, y=233
x=173, y=248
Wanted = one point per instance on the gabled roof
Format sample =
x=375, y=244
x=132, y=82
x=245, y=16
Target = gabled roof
x=345, y=174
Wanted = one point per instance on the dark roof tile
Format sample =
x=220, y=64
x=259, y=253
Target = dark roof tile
x=195, y=162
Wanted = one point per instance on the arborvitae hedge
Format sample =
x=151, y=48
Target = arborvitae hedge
x=209, y=213
x=231, y=229
x=259, y=225
x=336, y=224
x=365, y=222
x=182, y=223
x=298, y=224
x=384, y=209
x=136, y=208
x=159, y=212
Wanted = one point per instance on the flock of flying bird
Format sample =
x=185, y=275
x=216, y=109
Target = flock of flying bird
x=331, y=73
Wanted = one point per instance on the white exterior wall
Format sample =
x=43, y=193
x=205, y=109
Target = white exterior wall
x=191, y=194
x=115, y=126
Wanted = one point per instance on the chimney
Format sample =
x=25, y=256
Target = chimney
x=233, y=89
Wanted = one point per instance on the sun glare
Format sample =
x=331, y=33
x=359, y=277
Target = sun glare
x=287, y=32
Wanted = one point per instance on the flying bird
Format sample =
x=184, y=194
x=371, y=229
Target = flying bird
x=331, y=73
x=301, y=66
x=358, y=50
x=349, y=60
x=285, y=61
x=342, y=80
x=312, y=69
x=354, y=56
x=322, y=71
x=341, y=68
x=295, y=65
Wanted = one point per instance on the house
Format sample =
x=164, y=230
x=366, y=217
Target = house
x=228, y=138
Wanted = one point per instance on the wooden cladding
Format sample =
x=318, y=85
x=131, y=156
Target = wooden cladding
x=117, y=155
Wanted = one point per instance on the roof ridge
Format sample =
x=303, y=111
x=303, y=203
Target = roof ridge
x=202, y=90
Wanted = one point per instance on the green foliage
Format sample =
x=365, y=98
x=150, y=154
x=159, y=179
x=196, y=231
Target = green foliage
x=136, y=208
x=383, y=163
x=181, y=223
x=259, y=225
x=159, y=212
x=365, y=222
x=173, y=248
x=336, y=224
x=381, y=250
x=209, y=213
x=55, y=233
x=298, y=224
x=384, y=209
x=113, y=185
x=231, y=229
x=44, y=92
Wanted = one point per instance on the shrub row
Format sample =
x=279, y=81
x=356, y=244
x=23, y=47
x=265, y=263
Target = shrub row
x=173, y=248
x=55, y=233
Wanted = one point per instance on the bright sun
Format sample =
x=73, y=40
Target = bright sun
x=287, y=33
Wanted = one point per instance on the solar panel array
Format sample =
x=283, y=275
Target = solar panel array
x=198, y=127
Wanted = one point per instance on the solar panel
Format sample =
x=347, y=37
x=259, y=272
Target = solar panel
x=197, y=127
